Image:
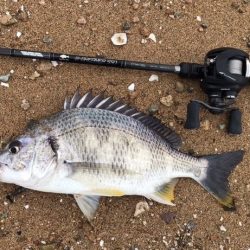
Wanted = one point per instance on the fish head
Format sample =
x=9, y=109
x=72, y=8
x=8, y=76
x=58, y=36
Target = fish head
x=16, y=160
x=27, y=160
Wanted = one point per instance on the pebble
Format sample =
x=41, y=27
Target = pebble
x=167, y=100
x=5, y=78
x=34, y=75
x=26, y=206
x=179, y=87
x=205, y=124
x=126, y=26
x=143, y=41
x=201, y=29
x=152, y=37
x=42, y=2
x=195, y=216
x=25, y=106
x=131, y=87
x=188, y=1
x=153, y=108
x=154, y=78
x=47, y=39
x=101, y=243
x=7, y=20
x=44, y=66
x=22, y=14
x=204, y=25
x=168, y=217
x=54, y=63
x=198, y=18
x=222, y=228
x=136, y=19
x=18, y=34
x=135, y=6
x=119, y=39
x=4, y=84
x=140, y=208
x=81, y=21
x=222, y=126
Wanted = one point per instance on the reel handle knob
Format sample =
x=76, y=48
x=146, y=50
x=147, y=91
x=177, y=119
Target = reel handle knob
x=193, y=115
x=235, y=126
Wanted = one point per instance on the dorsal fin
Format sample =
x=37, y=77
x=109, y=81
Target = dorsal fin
x=90, y=101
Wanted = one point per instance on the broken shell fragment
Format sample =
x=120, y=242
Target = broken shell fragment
x=141, y=207
x=119, y=39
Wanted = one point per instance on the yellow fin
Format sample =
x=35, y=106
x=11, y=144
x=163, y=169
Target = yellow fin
x=166, y=194
x=108, y=192
x=227, y=202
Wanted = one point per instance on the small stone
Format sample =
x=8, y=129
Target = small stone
x=22, y=14
x=135, y=6
x=205, y=124
x=137, y=1
x=43, y=67
x=144, y=32
x=26, y=206
x=179, y=87
x=188, y=1
x=144, y=223
x=12, y=71
x=5, y=78
x=200, y=29
x=126, y=26
x=195, y=216
x=18, y=34
x=136, y=19
x=204, y=25
x=143, y=41
x=168, y=217
x=131, y=87
x=7, y=20
x=42, y=2
x=4, y=84
x=222, y=228
x=154, y=78
x=240, y=223
x=54, y=63
x=101, y=243
x=167, y=100
x=81, y=21
x=153, y=108
x=152, y=37
x=222, y=126
x=47, y=39
x=198, y=18
x=119, y=39
x=25, y=105
x=34, y=75
x=140, y=208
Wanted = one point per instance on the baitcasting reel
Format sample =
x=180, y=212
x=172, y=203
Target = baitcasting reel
x=225, y=72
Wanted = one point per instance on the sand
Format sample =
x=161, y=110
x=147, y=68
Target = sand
x=39, y=220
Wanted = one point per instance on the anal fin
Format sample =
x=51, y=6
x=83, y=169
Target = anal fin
x=88, y=205
x=165, y=195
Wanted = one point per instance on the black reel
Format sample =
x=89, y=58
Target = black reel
x=225, y=72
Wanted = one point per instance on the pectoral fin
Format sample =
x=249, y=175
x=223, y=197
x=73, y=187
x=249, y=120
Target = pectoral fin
x=88, y=205
x=165, y=195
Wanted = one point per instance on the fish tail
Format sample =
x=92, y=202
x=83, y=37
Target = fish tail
x=215, y=176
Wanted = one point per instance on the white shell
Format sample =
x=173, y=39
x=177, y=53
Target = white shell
x=131, y=87
x=153, y=78
x=152, y=37
x=119, y=39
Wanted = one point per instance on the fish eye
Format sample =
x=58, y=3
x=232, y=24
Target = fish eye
x=14, y=147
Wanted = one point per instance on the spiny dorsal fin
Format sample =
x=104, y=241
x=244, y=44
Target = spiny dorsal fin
x=90, y=101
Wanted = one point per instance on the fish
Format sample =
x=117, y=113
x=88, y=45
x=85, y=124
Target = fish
x=97, y=146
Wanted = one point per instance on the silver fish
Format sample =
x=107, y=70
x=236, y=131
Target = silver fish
x=100, y=147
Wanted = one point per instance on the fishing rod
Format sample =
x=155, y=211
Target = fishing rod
x=224, y=73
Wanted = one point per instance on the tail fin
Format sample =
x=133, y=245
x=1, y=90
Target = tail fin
x=216, y=175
